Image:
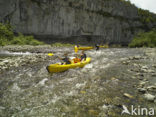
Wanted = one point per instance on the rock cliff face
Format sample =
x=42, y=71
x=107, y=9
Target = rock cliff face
x=88, y=21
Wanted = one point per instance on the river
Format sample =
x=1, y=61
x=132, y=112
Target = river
x=115, y=77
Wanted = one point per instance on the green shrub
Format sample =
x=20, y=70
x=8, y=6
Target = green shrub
x=25, y=40
x=7, y=37
x=147, y=39
x=146, y=16
x=6, y=32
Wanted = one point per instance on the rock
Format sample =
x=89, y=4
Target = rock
x=93, y=112
x=136, y=65
x=2, y=108
x=151, y=71
x=149, y=97
x=153, y=74
x=6, y=61
x=1, y=63
x=142, y=83
x=126, y=62
x=137, y=57
x=128, y=95
x=144, y=67
x=144, y=70
x=130, y=58
x=142, y=90
x=55, y=13
x=140, y=78
x=151, y=87
x=139, y=74
x=133, y=77
x=145, y=80
x=105, y=107
x=154, y=66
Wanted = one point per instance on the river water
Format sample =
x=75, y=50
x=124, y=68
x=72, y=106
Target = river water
x=98, y=89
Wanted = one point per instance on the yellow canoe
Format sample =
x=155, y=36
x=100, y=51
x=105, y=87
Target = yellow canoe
x=53, y=68
x=85, y=48
x=104, y=46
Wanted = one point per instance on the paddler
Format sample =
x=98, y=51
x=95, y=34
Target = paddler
x=66, y=60
x=76, y=48
x=97, y=46
x=83, y=56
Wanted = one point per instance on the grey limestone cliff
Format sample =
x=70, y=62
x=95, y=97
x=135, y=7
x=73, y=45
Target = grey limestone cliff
x=101, y=21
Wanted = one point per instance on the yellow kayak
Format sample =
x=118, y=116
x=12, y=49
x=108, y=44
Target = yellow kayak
x=104, y=46
x=85, y=48
x=53, y=68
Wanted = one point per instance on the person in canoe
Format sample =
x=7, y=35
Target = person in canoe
x=76, y=48
x=76, y=59
x=65, y=60
x=97, y=46
x=83, y=56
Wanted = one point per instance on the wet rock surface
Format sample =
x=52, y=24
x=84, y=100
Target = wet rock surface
x=114, y=78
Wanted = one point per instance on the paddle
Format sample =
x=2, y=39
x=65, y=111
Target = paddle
x=50, y=54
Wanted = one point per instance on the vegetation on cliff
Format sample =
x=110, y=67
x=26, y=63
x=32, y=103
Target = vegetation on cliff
x=147, y=39
x=146, y=16
x=7, y=37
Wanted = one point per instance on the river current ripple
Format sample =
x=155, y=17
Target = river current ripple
x=95, y=90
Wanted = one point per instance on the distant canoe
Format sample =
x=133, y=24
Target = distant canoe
x=85, y=48
x=104, y=46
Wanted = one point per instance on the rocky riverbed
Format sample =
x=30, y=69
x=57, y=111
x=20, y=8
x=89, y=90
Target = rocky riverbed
x=116, y=77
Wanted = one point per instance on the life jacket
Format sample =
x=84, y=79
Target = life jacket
x=76, y=60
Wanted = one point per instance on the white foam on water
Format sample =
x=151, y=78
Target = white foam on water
x=20, y=53
x=42, y=82
x=15, y=88
x=29, y=74
x=79, y=85
x=55, y=99
x=14, y=53
x=2, y=108
x=51, y=86
x=71, y=93
x=70, y=79
x=89, y=66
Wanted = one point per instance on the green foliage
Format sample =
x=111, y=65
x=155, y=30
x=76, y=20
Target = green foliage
x=25, y=40
x=7, y=37
x=146, y=16
x=127, y=2
x=6, y=34
x=6, y=31
x=147, y=39
x=62, y=45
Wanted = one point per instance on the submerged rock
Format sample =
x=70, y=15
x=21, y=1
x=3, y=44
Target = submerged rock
x=149, y=97
x=93, y=112
x=128, y=95
x=143, y=90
